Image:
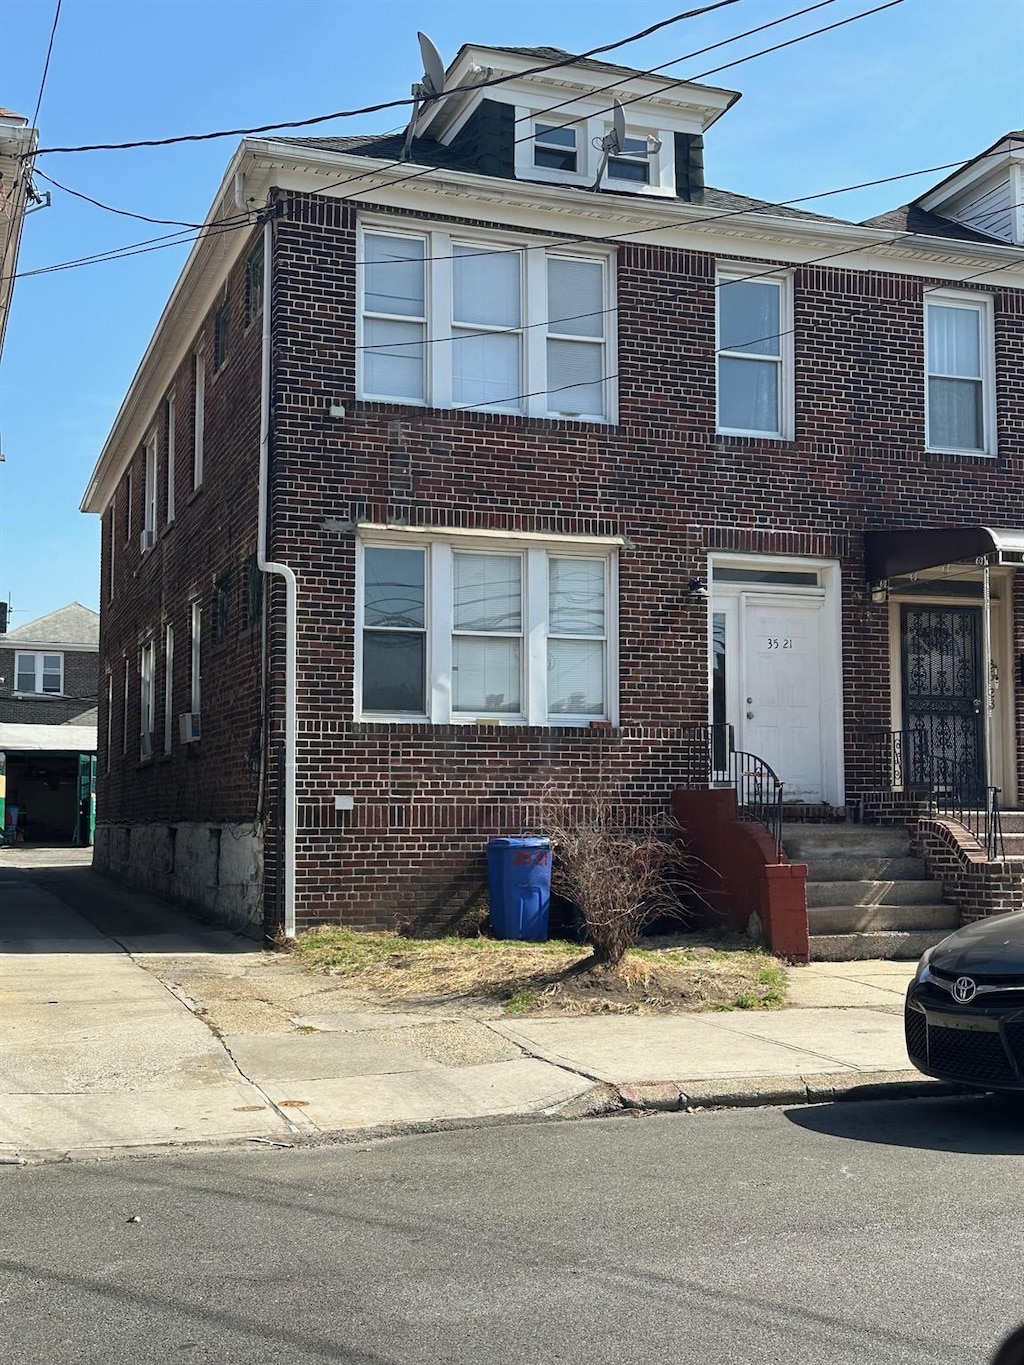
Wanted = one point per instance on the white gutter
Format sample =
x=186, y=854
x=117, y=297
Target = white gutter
x=291, y=588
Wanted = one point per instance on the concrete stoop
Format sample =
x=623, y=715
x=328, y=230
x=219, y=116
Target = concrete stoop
x=866, y=896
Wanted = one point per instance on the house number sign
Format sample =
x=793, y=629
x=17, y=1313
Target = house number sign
x=773, y=643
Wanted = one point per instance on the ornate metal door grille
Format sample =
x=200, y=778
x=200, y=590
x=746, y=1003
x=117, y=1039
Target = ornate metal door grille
x=942, y=697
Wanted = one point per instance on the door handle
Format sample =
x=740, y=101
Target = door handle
x=750, y=715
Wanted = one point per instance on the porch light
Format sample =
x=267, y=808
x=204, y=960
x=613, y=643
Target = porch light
x=880, y=593
x=698, y=588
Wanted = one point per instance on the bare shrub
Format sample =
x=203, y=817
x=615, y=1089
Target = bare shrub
x=622, y=867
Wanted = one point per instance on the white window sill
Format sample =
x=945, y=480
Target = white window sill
x=755, y=435
x=491, y=722
x=420, y=405
x=39, y=696
x=962, y=454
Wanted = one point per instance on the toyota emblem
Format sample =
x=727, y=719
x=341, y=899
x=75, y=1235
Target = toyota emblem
x=964, y=990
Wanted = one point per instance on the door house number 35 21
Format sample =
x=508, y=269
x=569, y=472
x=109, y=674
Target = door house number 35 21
x=779, y=644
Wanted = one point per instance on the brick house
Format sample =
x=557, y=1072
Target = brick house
x=443, y=479
x=48, y=694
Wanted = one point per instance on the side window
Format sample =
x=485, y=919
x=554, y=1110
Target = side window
x=753, y=371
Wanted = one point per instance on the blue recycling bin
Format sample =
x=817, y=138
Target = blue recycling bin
x=519, y=885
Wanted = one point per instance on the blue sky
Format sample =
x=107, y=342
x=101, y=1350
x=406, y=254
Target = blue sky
x=925, y=83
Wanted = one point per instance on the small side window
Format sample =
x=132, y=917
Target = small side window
x=554, y=148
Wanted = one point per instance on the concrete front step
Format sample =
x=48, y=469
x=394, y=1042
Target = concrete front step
x=858, y=868
x=872, y=892
x=826, y=920
x=858, y=947
x=807, y=843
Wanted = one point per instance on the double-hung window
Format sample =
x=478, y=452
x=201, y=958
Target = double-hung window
x=150, y=495
x=486, y=325
x=146, y=698
x=482, y=630
x=754, y=378
x=958, y=351
x=554, y=147
x=632, y=163
x=40, y=673
x=198, y=416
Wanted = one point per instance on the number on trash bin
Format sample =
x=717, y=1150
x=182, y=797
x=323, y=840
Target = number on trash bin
x=530, y=857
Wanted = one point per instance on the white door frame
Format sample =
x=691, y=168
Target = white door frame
x=830, y=580
x=1004, y=748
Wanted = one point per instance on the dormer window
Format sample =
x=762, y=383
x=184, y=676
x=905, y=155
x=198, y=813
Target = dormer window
x=554, y=148
x=633, y=162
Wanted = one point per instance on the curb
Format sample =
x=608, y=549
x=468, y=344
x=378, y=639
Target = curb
x=821, y=1088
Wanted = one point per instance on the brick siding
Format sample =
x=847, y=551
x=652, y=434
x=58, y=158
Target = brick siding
x=80, y=690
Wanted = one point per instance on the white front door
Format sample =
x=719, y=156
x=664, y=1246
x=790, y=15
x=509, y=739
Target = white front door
x=781, y=689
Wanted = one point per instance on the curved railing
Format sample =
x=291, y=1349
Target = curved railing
x=711, y=760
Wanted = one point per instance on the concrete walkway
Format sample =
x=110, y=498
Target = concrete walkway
x=102, y=1047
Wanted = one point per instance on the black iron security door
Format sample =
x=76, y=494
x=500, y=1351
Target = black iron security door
x=942, y=697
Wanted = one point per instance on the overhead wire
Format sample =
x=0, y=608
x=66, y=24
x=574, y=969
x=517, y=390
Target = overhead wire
x=568, y=60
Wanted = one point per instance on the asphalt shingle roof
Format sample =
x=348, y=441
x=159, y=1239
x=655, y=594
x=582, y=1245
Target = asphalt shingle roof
x=70, y=625
x=910, y=218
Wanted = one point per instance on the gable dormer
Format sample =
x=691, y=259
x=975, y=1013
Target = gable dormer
x=986, y=195
x=548, y=126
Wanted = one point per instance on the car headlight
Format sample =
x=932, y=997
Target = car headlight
x=922, y=966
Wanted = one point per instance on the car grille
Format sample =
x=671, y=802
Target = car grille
x=964, y=1052
x=917, y=1035
x=1015, y=1040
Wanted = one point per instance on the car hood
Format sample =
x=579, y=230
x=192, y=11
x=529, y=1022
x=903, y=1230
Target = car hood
x=991, y=947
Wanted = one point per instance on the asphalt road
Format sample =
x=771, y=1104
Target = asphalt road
x=871, y=1232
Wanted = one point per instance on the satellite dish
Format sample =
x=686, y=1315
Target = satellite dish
x=428, y=88
x=618, y=125
x=433, y=66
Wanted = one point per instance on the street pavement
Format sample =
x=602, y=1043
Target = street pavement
x=104, y=1050
x=831, y=1234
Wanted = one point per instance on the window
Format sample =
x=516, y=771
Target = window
x=484, y=325
x=252, y=598
x=109, y=718
x=171, y=434
x=168, y=688
x=199, y=368
x=958, y=349
x=41, y=673
x=754, y=367
x=149, y=503
x=554, y=148
x=197, y=639
x=254, y=284
x=221, y=601
x=124, y=712
x=113, y=540
x=487, y=631
x=632, y=163
x=128, y=507
x=146, y=699
x=221, y=324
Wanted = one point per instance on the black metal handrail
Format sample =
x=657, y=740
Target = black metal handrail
x=953, y=787
x=712, y=760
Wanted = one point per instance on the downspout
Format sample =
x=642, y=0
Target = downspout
x=284, y=571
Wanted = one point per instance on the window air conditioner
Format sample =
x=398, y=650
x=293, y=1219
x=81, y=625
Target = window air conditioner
x=147, y=540
x=188, y=726
x=146, y=744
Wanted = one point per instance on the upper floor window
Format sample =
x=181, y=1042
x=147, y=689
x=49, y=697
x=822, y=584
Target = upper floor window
x=199, y=415
x=171, y=442
x=488, y=630
x=254, y=284
x=754, y=378
x=221, y=324
x=633, y=163
x=958, y=359
x=480, y=324
x=146, y=698
x=148, y=539
x=554, y=147
x=39, y=673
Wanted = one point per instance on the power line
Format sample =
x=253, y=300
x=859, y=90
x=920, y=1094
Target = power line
x=724, y=42
x=46, y=67
x=568, y=60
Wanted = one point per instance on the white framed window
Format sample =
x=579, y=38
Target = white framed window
x=171, y=437
x=486, y=324
x=40, y=673
x=113, y=542
x=463, y=629
x=146, y=698
x=199, y=417
x=754, y=380
x=196, y=621
x=149, y=499
x=554, y=147
x=124, y=712
x=168, y=688
x=110, y=719
x=128, y=508
x=959, y=373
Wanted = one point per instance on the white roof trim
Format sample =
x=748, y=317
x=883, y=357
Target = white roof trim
x=47, y=738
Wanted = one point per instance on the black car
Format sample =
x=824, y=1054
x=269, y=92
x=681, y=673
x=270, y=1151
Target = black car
x=964, y=1014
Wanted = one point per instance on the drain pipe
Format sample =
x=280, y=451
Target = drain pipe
x=284, y=571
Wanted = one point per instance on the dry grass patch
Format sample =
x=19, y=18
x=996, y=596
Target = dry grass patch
x=684, y=973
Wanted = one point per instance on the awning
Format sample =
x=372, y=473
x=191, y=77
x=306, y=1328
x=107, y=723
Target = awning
x=59, y=739
x=887, y=554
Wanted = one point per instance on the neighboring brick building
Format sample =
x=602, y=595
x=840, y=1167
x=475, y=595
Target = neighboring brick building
x=559, y=474
x=48, y=682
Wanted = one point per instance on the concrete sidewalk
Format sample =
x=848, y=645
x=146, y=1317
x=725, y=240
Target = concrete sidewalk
x=161, y=1032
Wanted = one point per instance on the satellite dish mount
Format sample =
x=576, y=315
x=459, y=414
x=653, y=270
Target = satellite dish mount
x=614, y=143
x=430, y=87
